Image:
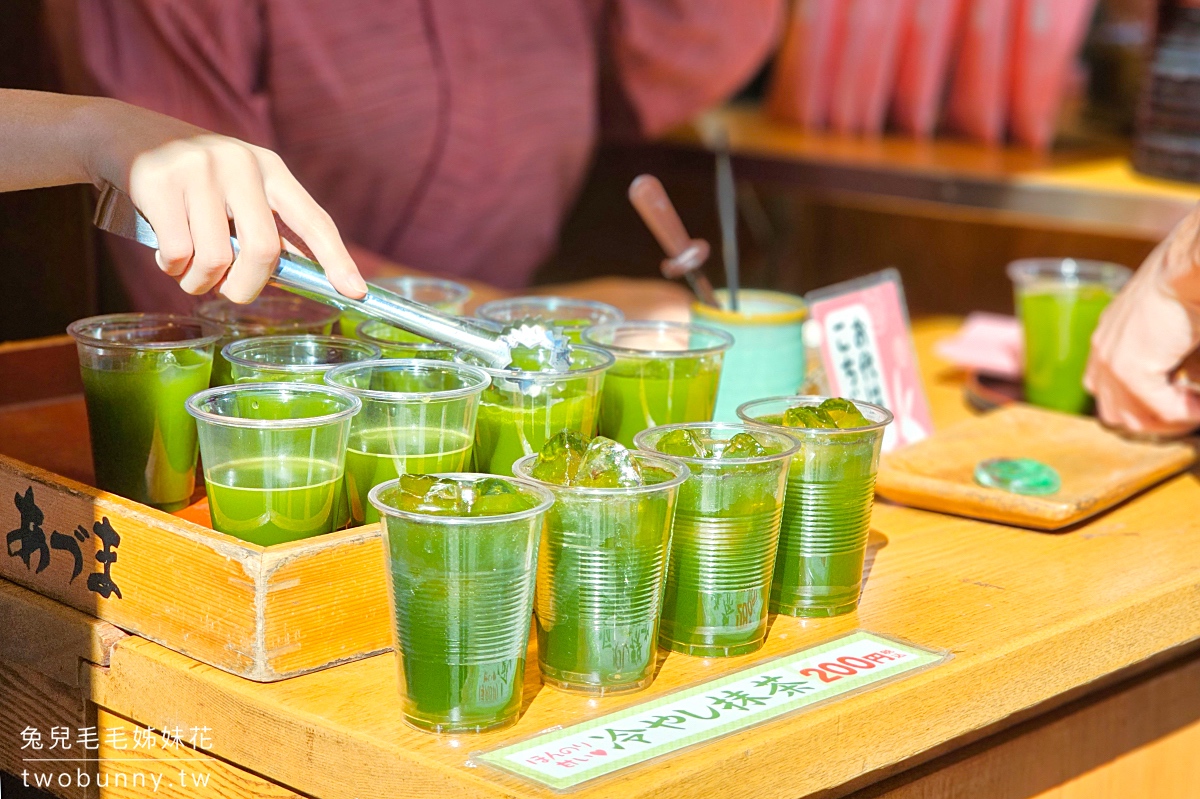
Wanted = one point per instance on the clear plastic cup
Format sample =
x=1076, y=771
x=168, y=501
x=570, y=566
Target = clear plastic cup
x=138, y=370
x=298, y=359
x=521, y=410
x=666, y=373
x=1059, y=301
x=725, y=540
x=570, y=315
x=600, y=578
x=269, y=315
x=274, y=456
x=418, y=417
x=461, y=592
x=444, y=295
x=395, y=342
x=827, y=513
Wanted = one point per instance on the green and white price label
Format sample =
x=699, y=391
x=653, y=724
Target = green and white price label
x=565, y=758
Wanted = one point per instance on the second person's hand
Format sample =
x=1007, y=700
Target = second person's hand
x=1143, y=336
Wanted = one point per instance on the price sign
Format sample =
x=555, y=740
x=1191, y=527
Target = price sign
x=861, y=330
x=563, y=759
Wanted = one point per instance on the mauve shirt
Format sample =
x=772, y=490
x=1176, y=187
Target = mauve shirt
x=446, y=135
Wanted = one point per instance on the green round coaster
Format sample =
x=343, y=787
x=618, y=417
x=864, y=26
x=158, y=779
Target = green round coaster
x=1018, y=476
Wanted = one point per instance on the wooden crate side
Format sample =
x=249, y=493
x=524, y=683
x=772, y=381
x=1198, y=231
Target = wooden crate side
x=324, y=603
x=150, y=573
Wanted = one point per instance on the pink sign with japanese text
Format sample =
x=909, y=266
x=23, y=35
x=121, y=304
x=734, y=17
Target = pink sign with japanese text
x=866, y=348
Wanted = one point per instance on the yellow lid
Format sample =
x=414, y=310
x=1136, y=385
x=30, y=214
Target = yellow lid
x=788, y=308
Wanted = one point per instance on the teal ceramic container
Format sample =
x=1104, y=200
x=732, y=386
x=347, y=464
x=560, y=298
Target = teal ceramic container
x=767, y=356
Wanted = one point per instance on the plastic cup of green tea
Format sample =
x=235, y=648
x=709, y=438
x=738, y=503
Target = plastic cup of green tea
x=462, y=554
x=443, y=295
x=293, y=359
x=1059, y=302
x=418, y=417
x=396, y=342
x=830, y=493
x=600, y=571
x=138, y=370
x=726, y=534
x=569, y=315
x=274, y=456
x=665, y=373
x=524, y=408
x=268, y=315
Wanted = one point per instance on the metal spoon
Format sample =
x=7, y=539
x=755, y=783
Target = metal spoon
x=116, y=213
x=727, y=211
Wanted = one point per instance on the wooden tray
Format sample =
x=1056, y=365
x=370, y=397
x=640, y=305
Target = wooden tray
x=264, y=613
x=1098, y=467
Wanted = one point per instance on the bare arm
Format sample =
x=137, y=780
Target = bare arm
x=188, y=182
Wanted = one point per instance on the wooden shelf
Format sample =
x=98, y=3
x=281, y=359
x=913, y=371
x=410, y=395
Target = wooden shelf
x=1082, y=184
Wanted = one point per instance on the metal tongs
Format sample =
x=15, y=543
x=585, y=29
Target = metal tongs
x=116, y=213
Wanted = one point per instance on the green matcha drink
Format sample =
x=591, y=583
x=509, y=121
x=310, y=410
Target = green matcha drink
x=1059, y=302
x=138, y=371
x=273, y=501
x=298, y=359
x=602, y=561
x=830, y=492
x=726, y=534
x=461, y=553
x=524, y=407
x=274, y=458
x=418, y=417
x=569, y=315
x=444, y=295
x=269, y=315
x=395, y=342
x=665, y=373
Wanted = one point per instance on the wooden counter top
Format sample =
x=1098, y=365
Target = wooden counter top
x=1032, y=619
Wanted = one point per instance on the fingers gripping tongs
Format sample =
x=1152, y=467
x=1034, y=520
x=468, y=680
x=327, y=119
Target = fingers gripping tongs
x=295, y=273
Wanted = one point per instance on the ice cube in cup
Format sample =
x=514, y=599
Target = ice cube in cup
x=559, y=458
x=607, y=464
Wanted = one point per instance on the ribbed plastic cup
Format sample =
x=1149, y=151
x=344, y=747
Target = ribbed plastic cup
x=1060, y=301
x=665, y=373
x=600, y=579
x=570, y=315
x=724, y=543
x=827, y=513
x=418, y=417
x=269, y=315
x=274, y=456
x=395, y=342
x=522, y=410
x=461, y=593
x=298, y=359
x=138, y=370
x=444, y=295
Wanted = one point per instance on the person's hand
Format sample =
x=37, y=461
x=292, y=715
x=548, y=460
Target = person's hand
x=189, y=183
x=1143, y=336
x=637, y=298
